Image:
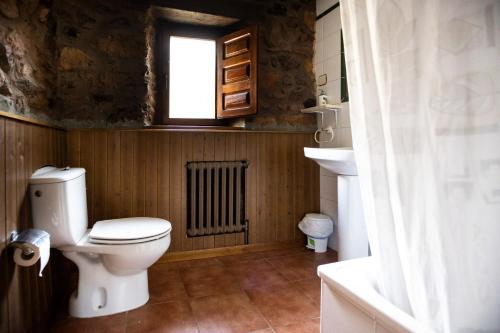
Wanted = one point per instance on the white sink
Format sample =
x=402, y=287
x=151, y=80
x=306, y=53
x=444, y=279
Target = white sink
x=337, y=160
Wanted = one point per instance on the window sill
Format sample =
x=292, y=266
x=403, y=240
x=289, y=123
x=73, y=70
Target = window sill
x=219, y=129
x=202, y=128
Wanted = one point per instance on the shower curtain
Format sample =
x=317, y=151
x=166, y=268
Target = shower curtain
x=424, y=85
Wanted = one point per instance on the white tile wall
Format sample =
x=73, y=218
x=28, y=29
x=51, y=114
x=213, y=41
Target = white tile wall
x=327, y=54
x=329, y=191
x=329, y=207
x=327, y=61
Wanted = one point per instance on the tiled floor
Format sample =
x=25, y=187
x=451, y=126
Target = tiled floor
x=272, y=291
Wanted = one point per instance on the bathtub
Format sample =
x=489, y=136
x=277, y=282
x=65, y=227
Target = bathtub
x=350, y=302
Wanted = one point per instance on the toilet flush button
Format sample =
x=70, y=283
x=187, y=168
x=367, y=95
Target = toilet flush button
x=66, y=168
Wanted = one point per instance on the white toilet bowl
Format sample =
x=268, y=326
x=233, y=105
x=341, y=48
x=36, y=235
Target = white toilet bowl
x=112, y=257
x=112, y=278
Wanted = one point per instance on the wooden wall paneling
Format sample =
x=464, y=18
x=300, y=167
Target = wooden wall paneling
x=52, y=147
x=26, y=300
x=40, y=289
x=14, y=292
x=209, y=155
x=265, y=189
x=37, y=156
x=58, y=147
x=53, y=153
x=296, y=153
x=151, y=175
x=299, y=197
x=295, y=150
x=290, y=189
x=20, y=175
x=281, y=182
x=87, y=162
x=219, y=155
x=35, y=296
x=230, y=239
x=73, y=148
x=197, y=148
x=261, y=193
x=276, y=191
x=113, y=179
x=4, y=274
x=187, y=155
x=127, y=171
x=312, y=172
x=251, y=190
x=175, y=182
x=281, y=198
x=139, y=191
x=164, y=177
x=100, y=176
x=240, y=154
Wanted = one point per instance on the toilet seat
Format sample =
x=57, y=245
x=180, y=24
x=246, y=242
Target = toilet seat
x=130, y=230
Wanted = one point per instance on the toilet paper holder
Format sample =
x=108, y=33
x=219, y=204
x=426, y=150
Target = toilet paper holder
x=31, y=246
x=15, y=242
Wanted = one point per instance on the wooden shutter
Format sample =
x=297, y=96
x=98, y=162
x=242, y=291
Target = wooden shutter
x=237, y=73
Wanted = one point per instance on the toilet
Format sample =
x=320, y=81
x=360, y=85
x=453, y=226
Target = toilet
x=112, y=257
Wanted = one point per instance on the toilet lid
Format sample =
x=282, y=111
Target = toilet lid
x=129, y=230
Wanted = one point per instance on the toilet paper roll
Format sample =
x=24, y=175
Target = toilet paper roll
x=32, y=245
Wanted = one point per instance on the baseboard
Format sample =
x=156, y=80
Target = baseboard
x=224, y=251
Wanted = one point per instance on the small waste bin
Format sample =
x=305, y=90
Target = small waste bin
x=318, y=228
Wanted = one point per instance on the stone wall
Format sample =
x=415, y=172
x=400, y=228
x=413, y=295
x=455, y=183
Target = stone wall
x=84, y=63
x=286, y=77
x=27, y=67
x=101, y=63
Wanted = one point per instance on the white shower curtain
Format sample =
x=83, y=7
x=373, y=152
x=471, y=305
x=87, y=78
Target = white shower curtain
x=424, y=85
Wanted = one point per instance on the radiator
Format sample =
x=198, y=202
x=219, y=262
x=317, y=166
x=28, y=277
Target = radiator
x=216, y=198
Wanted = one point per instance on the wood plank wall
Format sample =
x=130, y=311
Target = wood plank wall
x=142, y=173
x=26, y=301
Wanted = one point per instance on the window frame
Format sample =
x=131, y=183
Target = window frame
x=164, y=30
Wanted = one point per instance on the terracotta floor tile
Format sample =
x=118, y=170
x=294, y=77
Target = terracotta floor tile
x=112, y=324
x=69, y=325
x=191, y=274
x=239, y=258
x=310, y=326
x=167, y=266
x=281, y=288
x=200, y=263
x=311, y=287
x=209, y=281
x=256, y=273
x=293, y=268
x=285, y=252
x=283, y=305
x=175, y=317
x=228, y=313
x=115, y=323
x=325, y=258
x=165, y=285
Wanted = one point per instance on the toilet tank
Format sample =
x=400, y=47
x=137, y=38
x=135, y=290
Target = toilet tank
x=59, y=203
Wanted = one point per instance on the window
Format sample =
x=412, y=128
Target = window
x=192, y=58
x=204, y=76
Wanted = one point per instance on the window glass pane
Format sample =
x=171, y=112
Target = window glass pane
x=192, y=78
